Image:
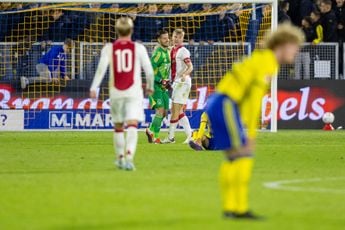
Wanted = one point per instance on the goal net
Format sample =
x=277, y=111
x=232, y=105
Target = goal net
x=217, y=35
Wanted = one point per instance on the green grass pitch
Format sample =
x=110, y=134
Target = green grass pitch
x=67, y=180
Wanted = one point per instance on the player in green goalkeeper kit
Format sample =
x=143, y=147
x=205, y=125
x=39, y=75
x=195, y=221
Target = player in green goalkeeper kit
x=159, y=101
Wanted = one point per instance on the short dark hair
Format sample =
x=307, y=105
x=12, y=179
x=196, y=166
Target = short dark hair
x=160, y=33
x=308, y=19
x=327, y=2
x=283, y=4
x=68, y=42
x=316, y=12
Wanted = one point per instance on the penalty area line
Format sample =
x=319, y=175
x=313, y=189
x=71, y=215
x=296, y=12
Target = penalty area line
x=292, y=185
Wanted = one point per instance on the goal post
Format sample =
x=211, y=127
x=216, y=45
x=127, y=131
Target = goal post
x=212, y=59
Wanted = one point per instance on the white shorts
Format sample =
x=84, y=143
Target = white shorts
x=181, y=90
x=125, y=109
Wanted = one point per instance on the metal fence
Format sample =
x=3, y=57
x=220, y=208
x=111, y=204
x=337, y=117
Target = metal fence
x=17, y=61
x=314, y=62
x=320, y=61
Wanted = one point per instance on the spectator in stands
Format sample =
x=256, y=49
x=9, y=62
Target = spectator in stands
x=294, y=7
x=340, y=13
x=206, y=7
x=307, y=27
x=141, y=7
x=167, y=9
x=225, y=25
x=328, y=21
x=52, y=66
x=306, y=7
x=317, y=27
x=207, y=31
x=302, y=61
x=148, y=26
x=282, y=12
x=182, y=8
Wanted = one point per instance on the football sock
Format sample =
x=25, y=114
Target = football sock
x=119, y=143
x=131, y=141
x=156, y=125
x=244, y=171
x=234, y=181
x=228, y=182
x=186, y=125
x=172, y=128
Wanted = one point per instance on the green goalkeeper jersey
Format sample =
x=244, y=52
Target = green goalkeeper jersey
x=161, y=66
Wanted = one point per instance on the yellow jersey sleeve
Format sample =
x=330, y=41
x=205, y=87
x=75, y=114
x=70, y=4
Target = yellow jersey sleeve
x=203, y=125
x=247, y=83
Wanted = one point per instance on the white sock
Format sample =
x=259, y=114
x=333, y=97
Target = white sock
x=131, y=141
x=186, y=126
x=172, y=129
x=119, y=144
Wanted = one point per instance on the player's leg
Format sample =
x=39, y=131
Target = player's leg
x=159, y=104
x=119, y=136
x=119, y=145
x=175, y=110
x=237, y=168
x=44, y=76
x=183, y=119
x=134, y=114
x=235, y=171
x=131, y=143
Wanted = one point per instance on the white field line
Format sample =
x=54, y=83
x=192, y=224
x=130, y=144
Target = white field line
x=292, y=185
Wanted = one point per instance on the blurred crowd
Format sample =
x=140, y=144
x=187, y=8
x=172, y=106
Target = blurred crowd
x=321, y=20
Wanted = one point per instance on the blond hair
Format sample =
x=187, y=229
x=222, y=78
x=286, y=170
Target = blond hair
x=284, y=34
x=179, y=31
x=124, y=26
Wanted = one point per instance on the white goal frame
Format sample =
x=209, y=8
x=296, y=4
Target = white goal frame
x=274, y=24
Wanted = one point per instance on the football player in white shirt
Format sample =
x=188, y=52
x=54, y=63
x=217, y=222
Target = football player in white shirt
x=126, y=59
x=181, y=68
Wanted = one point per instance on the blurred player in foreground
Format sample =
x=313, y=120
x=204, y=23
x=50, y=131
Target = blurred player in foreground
x=181, y=68
x=202, y=138
x=126, y=59
x=236, y=104
x=160, y=99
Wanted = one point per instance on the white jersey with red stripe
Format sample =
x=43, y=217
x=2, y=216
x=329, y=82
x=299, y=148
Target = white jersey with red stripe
x=126, y=59
x=180, y=57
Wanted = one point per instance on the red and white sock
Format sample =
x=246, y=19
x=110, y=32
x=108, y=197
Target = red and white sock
x=119, y=143
x=131, y=141
x=172, y=128
x=184, y=121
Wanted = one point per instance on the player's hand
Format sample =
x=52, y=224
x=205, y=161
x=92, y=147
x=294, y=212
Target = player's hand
x=149, y=92
x=93, y=94
x=67, y=78
x=166, y=84
x=249, y=147
x=183, y=78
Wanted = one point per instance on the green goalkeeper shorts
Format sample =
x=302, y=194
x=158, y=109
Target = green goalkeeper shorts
x=159, y=99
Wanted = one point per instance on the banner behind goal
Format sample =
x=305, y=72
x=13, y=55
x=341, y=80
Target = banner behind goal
x=217, y=35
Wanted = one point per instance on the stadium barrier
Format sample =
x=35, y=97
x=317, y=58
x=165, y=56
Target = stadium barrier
x=314, y=62
x=301, y=102
x=301, y=105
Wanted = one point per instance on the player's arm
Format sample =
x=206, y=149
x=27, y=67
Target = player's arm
x=63, y=66
x=156, y=62
x=319, y=35
x=101, y=70
x=202, y=127
x=147, y=66
x=250, y=111
x=251, y=105
x=188, y=62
